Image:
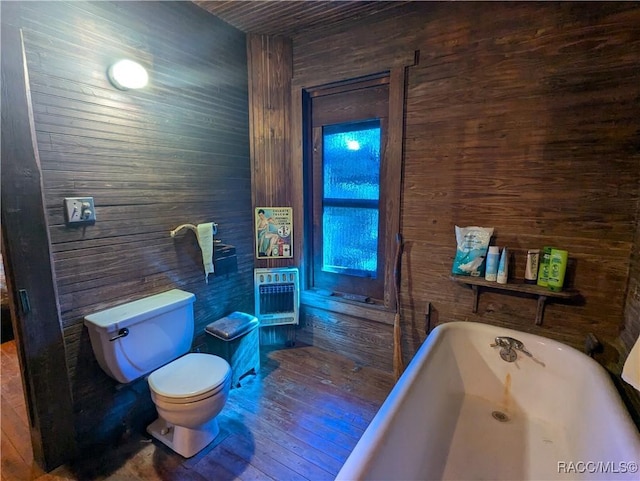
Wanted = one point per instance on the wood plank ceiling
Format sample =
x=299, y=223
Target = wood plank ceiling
x=278, y=17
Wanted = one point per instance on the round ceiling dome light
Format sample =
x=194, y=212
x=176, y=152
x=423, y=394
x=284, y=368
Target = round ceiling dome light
x=127, y=74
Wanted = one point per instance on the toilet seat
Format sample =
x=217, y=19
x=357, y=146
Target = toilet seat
x=190, y=378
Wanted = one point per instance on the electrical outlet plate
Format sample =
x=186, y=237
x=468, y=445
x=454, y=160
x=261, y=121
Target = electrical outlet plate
x=79, y=210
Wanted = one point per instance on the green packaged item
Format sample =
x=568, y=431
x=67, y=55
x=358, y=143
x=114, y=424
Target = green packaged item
x=543, y=271
x=557, y=269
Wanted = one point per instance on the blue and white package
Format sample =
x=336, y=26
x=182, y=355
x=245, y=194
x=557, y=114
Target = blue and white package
x=473, y=243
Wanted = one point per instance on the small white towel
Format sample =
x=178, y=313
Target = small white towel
x=631, y=368
x=205, y=240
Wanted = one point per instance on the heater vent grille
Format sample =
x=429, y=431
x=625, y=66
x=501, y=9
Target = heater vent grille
x=277, y=296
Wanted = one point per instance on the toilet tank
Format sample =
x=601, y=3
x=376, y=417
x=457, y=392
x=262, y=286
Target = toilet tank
x=133, y=339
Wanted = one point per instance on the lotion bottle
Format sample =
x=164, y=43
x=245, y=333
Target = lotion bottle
x=503, y=267
x=531, y=269
x=493, y=257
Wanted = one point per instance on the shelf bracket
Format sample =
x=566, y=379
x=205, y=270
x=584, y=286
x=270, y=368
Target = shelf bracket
x=540, y=293
x=476, y=294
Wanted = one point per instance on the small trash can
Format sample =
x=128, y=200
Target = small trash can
x=236, y=339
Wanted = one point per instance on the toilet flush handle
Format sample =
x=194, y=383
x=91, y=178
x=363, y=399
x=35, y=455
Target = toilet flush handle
x=121, y=333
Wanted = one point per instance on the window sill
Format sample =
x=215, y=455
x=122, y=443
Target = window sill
x=371, y=312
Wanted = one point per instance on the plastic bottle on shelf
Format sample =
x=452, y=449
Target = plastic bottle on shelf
x=543, y=271
x=493, y=258
x=503, y=267
x=531, y=269
x=557, y=269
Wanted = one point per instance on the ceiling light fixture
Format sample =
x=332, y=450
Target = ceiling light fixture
x=127, y=74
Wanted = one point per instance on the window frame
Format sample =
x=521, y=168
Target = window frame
x=390, y=175
x=344, y=283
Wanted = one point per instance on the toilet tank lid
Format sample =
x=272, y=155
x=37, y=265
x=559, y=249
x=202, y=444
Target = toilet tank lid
x=131, y=312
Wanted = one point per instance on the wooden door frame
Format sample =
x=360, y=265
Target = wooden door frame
x=26, y=244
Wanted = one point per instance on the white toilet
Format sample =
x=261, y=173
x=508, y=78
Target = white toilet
x=189, y=390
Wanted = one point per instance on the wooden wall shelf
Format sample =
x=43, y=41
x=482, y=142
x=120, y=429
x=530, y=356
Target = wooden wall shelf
x=516, y=285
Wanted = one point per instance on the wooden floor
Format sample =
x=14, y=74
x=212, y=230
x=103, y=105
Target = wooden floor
x=298, y=419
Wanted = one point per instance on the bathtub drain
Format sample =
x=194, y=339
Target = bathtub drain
x=500, y=416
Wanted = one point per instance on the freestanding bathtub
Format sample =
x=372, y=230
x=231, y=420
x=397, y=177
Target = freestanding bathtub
x=461, y=412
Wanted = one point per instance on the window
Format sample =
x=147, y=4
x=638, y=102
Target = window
x=350, y=197
x=347, y=187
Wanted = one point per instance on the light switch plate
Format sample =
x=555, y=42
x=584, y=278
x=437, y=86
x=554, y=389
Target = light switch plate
x=79, y=210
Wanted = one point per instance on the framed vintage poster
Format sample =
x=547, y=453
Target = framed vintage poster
x=274, y=232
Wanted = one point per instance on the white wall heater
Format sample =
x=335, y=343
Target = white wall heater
x=277, y=295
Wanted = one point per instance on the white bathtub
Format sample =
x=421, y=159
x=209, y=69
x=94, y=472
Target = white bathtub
x=565, y=418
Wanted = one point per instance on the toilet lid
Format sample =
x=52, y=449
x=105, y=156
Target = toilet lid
x=189, y=375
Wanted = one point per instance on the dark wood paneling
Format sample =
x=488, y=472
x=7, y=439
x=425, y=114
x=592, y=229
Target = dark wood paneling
x=26, y=245
x=364, y=47
x=522, y=117
x=366, y=342
x=631, y=327
x=269, y=67
x=285, y=18
x=269, y=60
x=175, y=152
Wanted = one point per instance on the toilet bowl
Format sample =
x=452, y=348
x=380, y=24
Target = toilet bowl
x=152, y=335
x=189, y=393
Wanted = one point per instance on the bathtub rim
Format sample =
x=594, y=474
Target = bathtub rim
x=363, y=455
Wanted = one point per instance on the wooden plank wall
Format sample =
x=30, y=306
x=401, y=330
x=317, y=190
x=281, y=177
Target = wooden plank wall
x=269, y=64
x=50, y=437
x=522, y=117
x=175, y=152
x=631, y=328
x=269, y=61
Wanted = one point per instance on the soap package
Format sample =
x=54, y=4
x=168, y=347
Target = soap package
x=473, y=243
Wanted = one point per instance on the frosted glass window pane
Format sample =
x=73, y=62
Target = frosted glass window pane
x=351, y=160
x=350, y=240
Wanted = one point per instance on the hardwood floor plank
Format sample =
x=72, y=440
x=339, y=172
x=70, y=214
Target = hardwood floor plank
x=338, y=432
x=156, y=462
x=11, y=386
x=231, y=461
x=300, y=456
x=16, y=429
x=366, y=382
x=307, y=428
x=352, y=419
x=297, y=419
x=298, y=464
x=63, y=473
x=256, y=451
x=9, y=353
x=288, y=435
x=327, y=398
x=12, y=465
